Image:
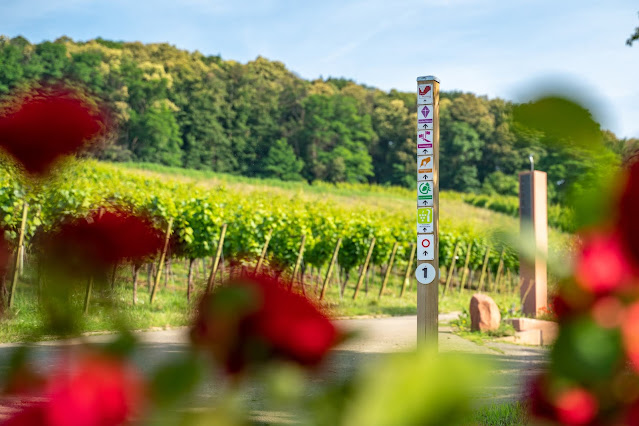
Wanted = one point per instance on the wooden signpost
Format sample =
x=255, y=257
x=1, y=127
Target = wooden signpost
x=427, y=272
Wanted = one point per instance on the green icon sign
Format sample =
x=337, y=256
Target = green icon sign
x=425, y=191
x=425, y=188
x=425, y=216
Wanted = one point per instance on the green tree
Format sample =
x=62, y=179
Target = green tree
x=159, y=135
x=394, y=149
x=53, y=57
x=334, y=140
x=11, y=69
x=282, y=163
x=460, y=150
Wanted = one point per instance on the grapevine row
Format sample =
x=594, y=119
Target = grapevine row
x=198, y=214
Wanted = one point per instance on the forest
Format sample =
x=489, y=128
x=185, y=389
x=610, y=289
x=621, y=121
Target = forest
x=260, y=119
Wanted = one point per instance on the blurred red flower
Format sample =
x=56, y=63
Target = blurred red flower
x=628, y=212
x=576, y=407
x=255, y=319
x=91, y=390
x=46, y=125
x=539, y=404
x=630, y=334
x=103, y=239
x=561, y=306
x=602, y=265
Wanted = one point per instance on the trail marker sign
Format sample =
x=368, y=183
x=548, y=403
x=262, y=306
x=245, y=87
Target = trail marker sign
x=425, y=220
x=425, y=247
x=424, y=142
x=425, y=274
x=425, y=93
x=425, y=167
x=427, y=271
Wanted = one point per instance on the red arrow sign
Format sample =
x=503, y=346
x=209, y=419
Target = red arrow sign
x=425, y=91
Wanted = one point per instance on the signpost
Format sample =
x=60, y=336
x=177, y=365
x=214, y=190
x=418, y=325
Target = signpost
x=533, y=214
x=427, y=272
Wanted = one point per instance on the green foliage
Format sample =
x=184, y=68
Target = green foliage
x=559, y=217
x=282, y=163
x=199, y=213
x=158, y=127
x=500, y=183
x=444, y=398
x=562, y=121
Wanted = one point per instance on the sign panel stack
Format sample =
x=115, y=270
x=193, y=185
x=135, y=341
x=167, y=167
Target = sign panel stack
x=427, y=272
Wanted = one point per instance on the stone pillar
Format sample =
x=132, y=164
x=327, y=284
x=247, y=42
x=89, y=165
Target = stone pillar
x=533, y=215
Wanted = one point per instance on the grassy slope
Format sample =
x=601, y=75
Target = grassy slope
x=452, y=209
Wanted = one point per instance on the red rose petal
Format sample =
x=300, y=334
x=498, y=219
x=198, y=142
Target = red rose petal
x=47, y=125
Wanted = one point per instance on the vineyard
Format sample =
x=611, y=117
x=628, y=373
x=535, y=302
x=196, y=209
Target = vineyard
x=270, y=223
x=558, y=216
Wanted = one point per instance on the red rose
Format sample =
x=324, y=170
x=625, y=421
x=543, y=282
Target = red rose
x=92, y=390
x=46, y=125
x=103, y=239
x=255, y=318
x=576, y=407
x=561, y=306
x=602, y=265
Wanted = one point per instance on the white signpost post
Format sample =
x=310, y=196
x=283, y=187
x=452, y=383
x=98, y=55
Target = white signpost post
x=427, y=272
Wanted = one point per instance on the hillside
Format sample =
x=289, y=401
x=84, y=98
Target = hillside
x=260, y=119
x=455, y=213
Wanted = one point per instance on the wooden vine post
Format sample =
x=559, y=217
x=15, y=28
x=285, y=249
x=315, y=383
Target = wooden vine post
x=464, y=273
x=453, y=263
x=483, y=269
x=136, y=273
x=389, y=268
x=364, y=268
x=165, y=249
x=216, y=261
x=264, y=251
x=500, y=268
x=189, y=280
x=330, y=268
x=16, y=265
x=298, y=262
x=409, y=267
x=87, y=295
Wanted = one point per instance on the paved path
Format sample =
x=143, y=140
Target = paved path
x=513, y=365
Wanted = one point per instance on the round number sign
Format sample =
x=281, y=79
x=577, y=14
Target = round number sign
x=425, y=273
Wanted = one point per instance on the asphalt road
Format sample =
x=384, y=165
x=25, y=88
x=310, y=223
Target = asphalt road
x=513, y=365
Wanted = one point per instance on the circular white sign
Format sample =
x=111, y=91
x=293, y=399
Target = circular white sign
x=425, y=273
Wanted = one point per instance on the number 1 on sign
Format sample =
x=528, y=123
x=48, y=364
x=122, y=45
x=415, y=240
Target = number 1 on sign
x=425, y=273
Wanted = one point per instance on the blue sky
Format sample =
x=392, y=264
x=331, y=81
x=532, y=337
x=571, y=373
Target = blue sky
x=514, y=49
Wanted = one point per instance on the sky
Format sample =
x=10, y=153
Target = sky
x=513, y=49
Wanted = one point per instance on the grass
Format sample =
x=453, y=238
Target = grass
x=513, y=413
x=170, y=309
x=109, y=310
